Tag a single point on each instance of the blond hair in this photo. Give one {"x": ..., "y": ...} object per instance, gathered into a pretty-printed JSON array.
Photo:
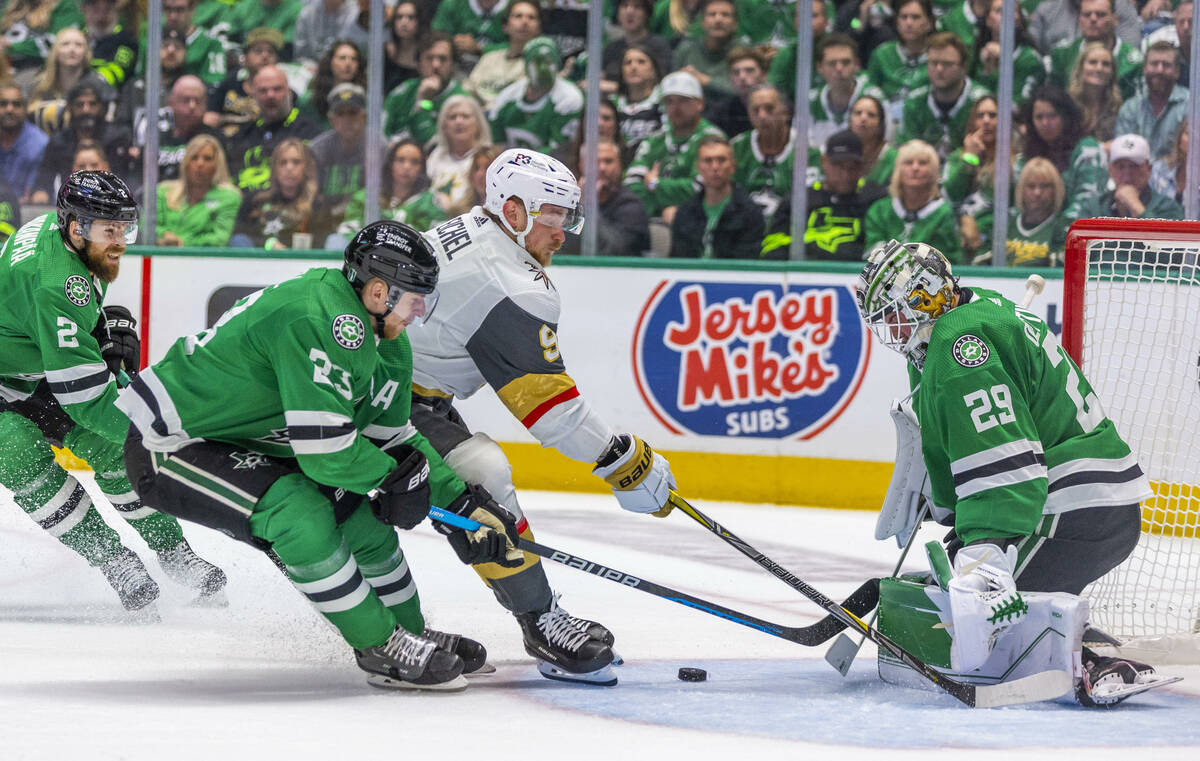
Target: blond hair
[
  {"x": 175, "y": 191},
  {"x": 1041, "y": 168},
  {"x": 49, "y": 82},
  {"x": 913, "y": 149},
  {"x": 1110, "y": 99}
]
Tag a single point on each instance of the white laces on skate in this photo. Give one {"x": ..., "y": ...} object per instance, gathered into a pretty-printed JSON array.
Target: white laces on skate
[
  {"x": 559, "y": 629},
  {"x": 444, "y": 640},
  {"x": 409, "y": 648}
]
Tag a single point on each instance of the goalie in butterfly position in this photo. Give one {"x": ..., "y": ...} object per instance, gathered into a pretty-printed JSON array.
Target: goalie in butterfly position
[
  {"x": 61, "y": 354},
  {"x": 272, "y": 425},
  {"x": 1042, "y": 491}
]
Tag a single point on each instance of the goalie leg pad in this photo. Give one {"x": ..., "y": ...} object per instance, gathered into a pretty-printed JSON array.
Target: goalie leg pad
[{"x": 898, "y": 516}]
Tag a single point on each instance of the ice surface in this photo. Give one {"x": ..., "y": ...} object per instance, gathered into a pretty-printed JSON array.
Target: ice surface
[{"x": 266, "y": 678}]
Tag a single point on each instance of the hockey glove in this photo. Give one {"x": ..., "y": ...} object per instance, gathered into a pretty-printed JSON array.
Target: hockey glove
[
  {"x": 984, "y": 602},
  {"x": 402, "y": 500},
  {"x": 493, "y": 542},
  {"x": 116, "y": 332},
  {"x": 640, "y": 478}
]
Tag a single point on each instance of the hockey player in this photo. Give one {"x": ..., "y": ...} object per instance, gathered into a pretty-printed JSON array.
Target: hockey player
[
  {"x": 59, "y": 353},
  {"x": 320, "y": 419},
  {"x": 1041, "y": 489},
  {"x": 496, "y": 326}
]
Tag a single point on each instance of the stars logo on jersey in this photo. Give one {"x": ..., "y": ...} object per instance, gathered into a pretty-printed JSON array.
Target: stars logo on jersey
[
  {"x": 78, "y": 290},
  {"x": 248, "y": 460},
  {"x": 349, "y": 331},
  {"x": 273, "y": 227},
  {"x": 276, "y": 436},
  {"x": 970, "y": 351}
]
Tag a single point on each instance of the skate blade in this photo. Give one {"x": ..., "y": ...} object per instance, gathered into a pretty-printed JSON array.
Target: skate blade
[
  {"x": 602, "y": 677},
  {"x": 486, "y": 669},
  {"x": 1111, "y": 693},
  {"x": 617, "y": 659},
  {"x": 457, "y": 684}
]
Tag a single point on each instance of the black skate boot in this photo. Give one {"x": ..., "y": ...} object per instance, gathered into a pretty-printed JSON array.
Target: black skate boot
[
  {"x": 126, "y": 574},
  {"x": 188, "y": 569},
  {"x": 564, "y": 650},
  {"x": 1107, "y": 681},
  {"x": 472, "y": 653},
  {"x": 409, "y": 662}
]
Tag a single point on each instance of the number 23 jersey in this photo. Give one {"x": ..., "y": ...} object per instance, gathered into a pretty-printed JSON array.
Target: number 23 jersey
[{"x": 1010, "y": 428}]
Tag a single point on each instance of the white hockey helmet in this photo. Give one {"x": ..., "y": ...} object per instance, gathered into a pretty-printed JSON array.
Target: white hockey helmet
[
  {"x": 536, "y": 179},
  {"x": 902, "y": 291}
]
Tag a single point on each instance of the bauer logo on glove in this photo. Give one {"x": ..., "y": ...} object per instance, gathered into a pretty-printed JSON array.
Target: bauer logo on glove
[{"x": 640, "y": 478}]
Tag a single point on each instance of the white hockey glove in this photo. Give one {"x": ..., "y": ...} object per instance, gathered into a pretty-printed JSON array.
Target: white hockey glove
[
  {"x": 901, "y": 509},
  {"x": 984, "y": 602},
  {"x": 641, "y": 479}
]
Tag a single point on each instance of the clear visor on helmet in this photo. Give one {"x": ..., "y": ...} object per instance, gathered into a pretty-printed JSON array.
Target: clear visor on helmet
[
  {"x": 108, "y": 232},
  {"x": 567, "y": 220},
  {"x": 416, "y": 308}
]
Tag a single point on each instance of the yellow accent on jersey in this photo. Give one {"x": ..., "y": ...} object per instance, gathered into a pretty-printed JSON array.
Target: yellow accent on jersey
[
  {"x": 423, "y": 391},
  {"x": 524, "y": 395}
]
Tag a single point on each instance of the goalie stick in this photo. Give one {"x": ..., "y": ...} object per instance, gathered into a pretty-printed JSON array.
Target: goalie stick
[
  {"x": 1046, "y": 685},
  {"x": 862, "y": 600}
]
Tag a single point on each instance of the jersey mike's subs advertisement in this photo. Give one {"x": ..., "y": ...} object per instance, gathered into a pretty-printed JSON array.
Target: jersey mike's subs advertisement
[{"x": 759, "y": 385}]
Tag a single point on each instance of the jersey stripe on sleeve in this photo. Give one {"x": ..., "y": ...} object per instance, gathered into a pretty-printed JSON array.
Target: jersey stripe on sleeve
[
  {"x": 1007, "y": 464},
  {"x": 78, "y": 384},
  {"x": 318, "y": 431}
]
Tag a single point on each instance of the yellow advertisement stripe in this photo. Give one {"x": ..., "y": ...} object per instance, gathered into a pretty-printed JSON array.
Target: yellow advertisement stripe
[{"x": 523, "y": 395}]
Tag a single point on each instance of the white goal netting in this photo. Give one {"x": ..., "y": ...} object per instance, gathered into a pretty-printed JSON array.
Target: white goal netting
[{"x": 1140, "y": 350}]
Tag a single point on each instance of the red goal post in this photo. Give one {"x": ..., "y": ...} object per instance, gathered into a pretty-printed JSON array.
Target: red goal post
[{"x": 1131, "y": 303}]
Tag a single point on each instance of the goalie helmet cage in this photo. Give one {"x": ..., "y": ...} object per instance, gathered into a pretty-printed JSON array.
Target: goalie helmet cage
[{"x": 1131, "y": 302}]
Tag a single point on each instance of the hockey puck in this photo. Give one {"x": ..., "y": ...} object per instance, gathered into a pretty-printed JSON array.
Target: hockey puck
[{"x": 693, "y": 675}]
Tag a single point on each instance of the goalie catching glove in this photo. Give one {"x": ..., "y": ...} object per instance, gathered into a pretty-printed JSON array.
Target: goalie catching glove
[
  {"x": 495, "y": 541},
  {"x": 402, "y": 500},
  {"x": 984, "y": 602},
  {"x": 116, "y": 332},
  {"x": 640, "y": 478}
]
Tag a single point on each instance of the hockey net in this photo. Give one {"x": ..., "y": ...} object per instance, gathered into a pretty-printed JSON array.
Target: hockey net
[{"x": 1132, "y": 322}]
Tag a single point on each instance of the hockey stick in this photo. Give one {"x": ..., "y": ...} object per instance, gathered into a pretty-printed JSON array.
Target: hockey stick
[
  {"x": 1044, "y": 686},
  {"x": 862, "y": 600},
  {"x": 843, "y": 651}
]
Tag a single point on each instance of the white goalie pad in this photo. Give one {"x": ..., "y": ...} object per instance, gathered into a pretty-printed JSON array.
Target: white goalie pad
[{"x": 899, "y": 514}]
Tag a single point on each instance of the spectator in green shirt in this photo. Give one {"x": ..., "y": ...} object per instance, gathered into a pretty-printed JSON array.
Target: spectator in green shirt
[
  {"x": 1053, "y": 128},
  {"x": 411, "y": 109},
  {"x": 1037, "y": 232},
  {"x": 897, "y": 67},
  {"x": 1098, "y": 23},
  {"x": 705, "y": 57},
  {"x": 200, "y": 208},
  {"x": 969, "y": 173},
  {"x": 868, "y": 120},
  {"x": 1093, "y": 87},
  {"x": 1029, "y": 70},
  {"x": 915, "y": 210},
  {"x": 937, "y": 113}
]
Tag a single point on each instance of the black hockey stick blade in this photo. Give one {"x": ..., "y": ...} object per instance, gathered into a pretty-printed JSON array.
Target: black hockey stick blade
[{"x": 1044, "y": 686}]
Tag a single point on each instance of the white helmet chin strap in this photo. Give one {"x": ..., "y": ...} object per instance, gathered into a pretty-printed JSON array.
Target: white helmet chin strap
[{"x": 528, "y": 225}]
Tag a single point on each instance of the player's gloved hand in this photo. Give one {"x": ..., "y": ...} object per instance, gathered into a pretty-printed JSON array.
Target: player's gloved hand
[
  {"x": 984, "y": 602},
  {"x": 402, "y": 500},
  {"x": 493, "y": 542},
  {"x": 116, "y": 332},
  {"x": 640, "y": 478}
]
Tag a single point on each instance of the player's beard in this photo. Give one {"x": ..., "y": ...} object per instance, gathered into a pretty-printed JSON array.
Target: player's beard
[{"x": 98, "y": 263}]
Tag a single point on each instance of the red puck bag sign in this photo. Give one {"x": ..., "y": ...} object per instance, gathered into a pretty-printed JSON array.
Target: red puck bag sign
[{"x": 749, "y": 359}]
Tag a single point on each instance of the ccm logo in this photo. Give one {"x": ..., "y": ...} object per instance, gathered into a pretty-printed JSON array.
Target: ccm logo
[{"x": 639, "y": 471}]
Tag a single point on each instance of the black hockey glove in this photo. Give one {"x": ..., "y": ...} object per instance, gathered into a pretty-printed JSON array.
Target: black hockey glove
[
  {"x": 493, "y": 542},
  {"x": 402, "y": 500},
  {"x": 116, "y": 332}
]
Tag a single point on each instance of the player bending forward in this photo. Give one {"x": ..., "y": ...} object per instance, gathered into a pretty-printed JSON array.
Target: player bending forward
[
  {"x": 1042, "y": 491},
  {"x": 496, "y": 325},
  {"x": 272, "y": 426},
  {"x": 59, "y": 353}
]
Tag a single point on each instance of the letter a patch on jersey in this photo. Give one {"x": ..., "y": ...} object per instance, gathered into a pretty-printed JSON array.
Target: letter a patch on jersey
[
  {"x": 349, "y": 331},
  {"x": 970, "y": 351},
  {"x": 78, "y": 290}
]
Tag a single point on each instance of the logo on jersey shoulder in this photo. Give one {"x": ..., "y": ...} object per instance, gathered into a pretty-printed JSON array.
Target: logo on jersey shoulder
[
  {"x": 78, "y": 290},
  {"x": 970, "y": 351},
  {"x": 480, "y": 221},
  {"x": 248, "y": 460},
  {"x": 539, "y": 275},
  {"x": 349, "y": 331}
]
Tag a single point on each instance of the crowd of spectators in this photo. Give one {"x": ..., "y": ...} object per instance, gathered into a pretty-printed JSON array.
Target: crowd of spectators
[{"x": 263, "y": 130}]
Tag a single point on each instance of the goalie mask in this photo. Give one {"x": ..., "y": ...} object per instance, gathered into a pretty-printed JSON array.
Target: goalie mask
[
  {"x": 537, "y": 180},
  {"x": 901, "y": 292}
]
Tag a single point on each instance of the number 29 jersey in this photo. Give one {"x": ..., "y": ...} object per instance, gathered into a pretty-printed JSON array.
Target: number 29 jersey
[{"x": 1010, "y": 428}]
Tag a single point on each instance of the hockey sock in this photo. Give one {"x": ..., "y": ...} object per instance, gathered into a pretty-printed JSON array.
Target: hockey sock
[
  {"x": 50, "y": 495},
  {"x": 383, "y": 566}
]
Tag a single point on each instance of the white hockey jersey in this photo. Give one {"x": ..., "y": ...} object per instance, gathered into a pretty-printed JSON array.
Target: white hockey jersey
[{"x": 496, "y": 323}]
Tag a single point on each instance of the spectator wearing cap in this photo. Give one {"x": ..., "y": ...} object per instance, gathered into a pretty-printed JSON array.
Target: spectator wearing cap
[
  {"x": 22, "y": 145},
  {"x": 839, "y": 66},
  {"x": 719, "y": 221},
  {"x": 411, "y": 109},
  {"x": 205, "y": 53},
  {"x": 114, "y": 49},
  {"x": 280, "y": 15},
  {"x": 341, "y": 151},
  {"x": 230, "y": 104},
  {"x": 1156, "y": 111},
  {"x": 1131, "y": 196},
  {"x": 663, "y": 170},
  {"x": 705, "y": 57},
  {"x": 1098, "y": 23},
  {"x": 937, "y": 113},
  {"x": 86, "y": 103},
  {"x": 539, "y": 111},
  {"x": 278, "y": 120},
  {"x": 131, "y": 105},
  {"x": 765, "y": 155},
  {"x": 341, "y": 63},
  {"x": 837, "y": 205},
  {"x": 623, "y": 228},
  {"x": 499, "y": 68},
  {"x": 747, "y": 70},
  {"x": 474, "y": 24},
  {"x": 318, "y": 25}
]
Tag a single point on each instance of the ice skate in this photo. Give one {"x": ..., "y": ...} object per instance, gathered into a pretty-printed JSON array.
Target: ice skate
[
  {"x": 188, "y": 569},
  {"x": 409, "y": 662},
  {"x": 598, "y": 632},
  {"x": 128, "y": 576},
  {"x": 564, "y": 650},
  {"x": 1107, "y": 681},
  {"x": 472, "y": 653}
]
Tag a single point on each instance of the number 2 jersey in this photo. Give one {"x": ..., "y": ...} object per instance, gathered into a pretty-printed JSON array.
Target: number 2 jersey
[
  {"x": 496, "y": 323},
  {"x": 1010, "y": 428},
  {"x": 291, "y": 371}
]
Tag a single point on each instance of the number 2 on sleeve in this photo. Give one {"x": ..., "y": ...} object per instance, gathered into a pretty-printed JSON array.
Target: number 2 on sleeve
[{"x": 990, "y": 407}]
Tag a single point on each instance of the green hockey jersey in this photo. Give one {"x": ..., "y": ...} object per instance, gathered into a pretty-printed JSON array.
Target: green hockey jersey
[
  {"x": 293, "y": 370},
  {"x": 676, "y": 159},
  {"x": 768, "y": 181},
  {"x": 465, "y": 17},
  {"x": 944, "y": 130},
  {"x": 51, "y": 305},
  {"x": 420, "y": 211},
  {"x": 1128, "y": 59},
  {"x": 1010, "y": 428},
  {"x": 405, "y": 116},
  {"x": 895, "y": 72},
  {"x": 541, "y": 125}
]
